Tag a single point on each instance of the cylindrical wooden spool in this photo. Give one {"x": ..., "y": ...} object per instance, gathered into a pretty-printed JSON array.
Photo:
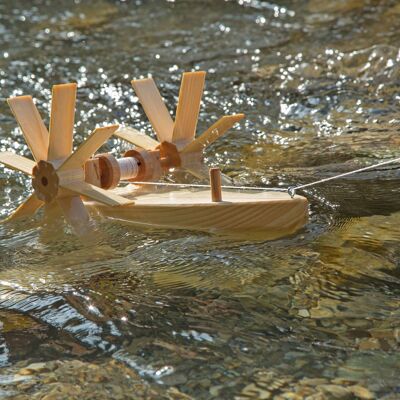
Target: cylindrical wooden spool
[
  {"x": 110, "y": 174},
  {"x": 215, "y": 183},
  {"x": 148, "y": 163}
]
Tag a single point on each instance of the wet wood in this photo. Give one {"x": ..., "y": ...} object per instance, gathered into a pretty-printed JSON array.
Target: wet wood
[
  {"x": 75, "y": 213},
  {"x": 26, "y": 209}
]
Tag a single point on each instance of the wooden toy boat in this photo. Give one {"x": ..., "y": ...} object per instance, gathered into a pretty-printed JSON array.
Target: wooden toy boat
[{"x": 77, "y": 180}]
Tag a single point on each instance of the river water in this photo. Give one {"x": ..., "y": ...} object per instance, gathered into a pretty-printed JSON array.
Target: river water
[{"x": 319, "y": 84}]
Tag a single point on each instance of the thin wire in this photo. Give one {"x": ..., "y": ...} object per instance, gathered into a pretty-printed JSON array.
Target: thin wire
[
  {"x": 208, "y": 186},
  {"x": 292, "y": 190}
]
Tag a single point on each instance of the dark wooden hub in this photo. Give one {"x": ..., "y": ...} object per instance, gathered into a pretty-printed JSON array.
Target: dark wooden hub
[{"x": 45, "y": 181}]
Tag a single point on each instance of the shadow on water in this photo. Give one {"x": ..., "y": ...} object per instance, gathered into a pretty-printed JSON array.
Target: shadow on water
[{"x": 201, "y": 311}]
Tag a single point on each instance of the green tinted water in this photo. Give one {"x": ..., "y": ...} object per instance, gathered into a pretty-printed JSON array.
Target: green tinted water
[{"x": 319, "y": 84}]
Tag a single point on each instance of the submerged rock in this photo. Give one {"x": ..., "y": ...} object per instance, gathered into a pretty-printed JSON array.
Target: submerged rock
[
  {"x": 335, "y": 391},
  {"x": 35, "y": 368},
  {"x": 361, "y": 392},
  {"x": 272, "y": 385},
  {"x": 92, "y": 16},
  {"x": 75, "y": 379}
]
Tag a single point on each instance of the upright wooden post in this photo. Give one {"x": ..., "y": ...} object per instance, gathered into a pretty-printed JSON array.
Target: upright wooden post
[{"x": 215, "y": 183}]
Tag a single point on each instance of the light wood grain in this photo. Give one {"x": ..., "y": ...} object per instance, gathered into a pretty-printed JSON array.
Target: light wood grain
[
  {"x": 154, "y": 107},
  {"x": 187, "y": 112},
  {"x": 106, "y": 197},
  {"x": 16, "y": 162},
  {"x": 271, "y": 214},
  {"x": 61, "y": 121},
  {"x": 96, "y": 139},
  {"x": 136, "y": 138},
  {"x": 26, "y": 209},
  {"x": 92, "y": 172},
  {"x": 31, "y": 124},
  {"x": 212, "y": 133}
]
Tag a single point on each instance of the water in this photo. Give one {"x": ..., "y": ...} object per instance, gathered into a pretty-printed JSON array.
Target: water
[{"x": 319, "y": 84}]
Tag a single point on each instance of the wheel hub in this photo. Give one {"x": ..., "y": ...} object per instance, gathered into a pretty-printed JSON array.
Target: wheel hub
[{"x": 45, "y": 181}]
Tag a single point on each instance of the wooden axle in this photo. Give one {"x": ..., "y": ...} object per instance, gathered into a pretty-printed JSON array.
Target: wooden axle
[{"x": 106, "y": 171}]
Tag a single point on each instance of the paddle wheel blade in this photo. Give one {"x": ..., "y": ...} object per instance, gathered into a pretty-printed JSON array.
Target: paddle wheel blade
[
  {"x": 154, "y": 107},
  {"x": 212, "y": 133},
  {"x": 95, "y": 140},
  {"x": 95, "y": 193},
  {"x": 61, "y": 121},
  {"x": 136, "y": 138},
  {"x": 16, "y": 162},
  {"x": 26, "y": 209},
  {"x": 31, "y": 124},
  {"x": 75, "y": 213},
  {"x": 187, "y": 112}
]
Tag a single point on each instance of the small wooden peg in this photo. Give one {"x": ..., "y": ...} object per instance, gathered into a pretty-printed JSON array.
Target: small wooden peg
[{"x": 215, "y": 182}]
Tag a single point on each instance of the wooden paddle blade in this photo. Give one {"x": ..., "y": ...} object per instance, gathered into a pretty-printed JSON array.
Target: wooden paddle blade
[
  {"x": 95, "y": 140},
  {"x": 154, "y": 107},
  {"x": 61, "y": 121},
  {"x": 136, "y": 138},
  {"x": 95, "y": 193},
  {"x": 31, "y": 124},
  {"x": 75, "y": 213},
  {"x": 19, "y": 163},
  {"x": 187, "y": 112},
  {"x": 26, "y": 209},
  {"x": 212, "y": 133}
]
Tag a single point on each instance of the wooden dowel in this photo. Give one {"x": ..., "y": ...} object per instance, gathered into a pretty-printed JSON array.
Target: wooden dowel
[{"x": 215, "y": 183}]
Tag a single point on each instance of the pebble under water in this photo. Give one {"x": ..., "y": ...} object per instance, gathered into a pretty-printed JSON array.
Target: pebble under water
[{"x": 192, "y": 315}]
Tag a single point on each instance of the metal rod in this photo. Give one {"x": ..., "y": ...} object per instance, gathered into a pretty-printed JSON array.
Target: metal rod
[
  {"x": 208, "y": 186},
  {"x": 290, "y": 190}
]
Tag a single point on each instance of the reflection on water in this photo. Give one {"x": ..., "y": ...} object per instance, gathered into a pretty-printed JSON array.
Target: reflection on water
[{"x": 319, "y": 85}]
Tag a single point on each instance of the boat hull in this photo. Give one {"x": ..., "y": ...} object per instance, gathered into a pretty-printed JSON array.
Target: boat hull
[{"x": 269, "y": 214}]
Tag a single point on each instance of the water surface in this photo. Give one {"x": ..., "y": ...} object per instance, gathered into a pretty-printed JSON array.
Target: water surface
[{"x": 319, "y": 84}]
